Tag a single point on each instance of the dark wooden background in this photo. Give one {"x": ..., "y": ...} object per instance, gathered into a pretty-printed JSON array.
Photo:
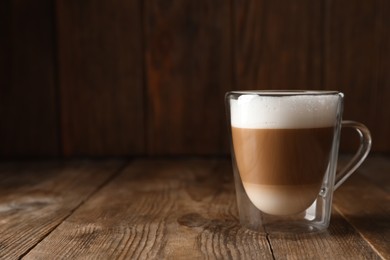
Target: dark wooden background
[{"x": 133, "y": 77}]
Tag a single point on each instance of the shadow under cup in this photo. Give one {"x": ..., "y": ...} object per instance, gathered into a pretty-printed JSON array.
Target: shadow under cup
[{"x": 284, "y": 151}]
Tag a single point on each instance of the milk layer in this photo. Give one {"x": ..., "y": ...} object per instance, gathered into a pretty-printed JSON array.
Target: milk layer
[{"x": 281, "y": 199}]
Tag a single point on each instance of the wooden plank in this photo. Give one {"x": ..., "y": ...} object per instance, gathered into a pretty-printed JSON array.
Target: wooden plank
[
  {"x": 181, "y": 209},
  {"x": 340, "y": 241},
  {"x": 380, "y": 113},
  {"x": 189, "y": 69},
  {"x": 37, "y": 197},
  {"x": 28, "y": 112},
  {"x": 367, "y": 208},
  {"x": 101, "y": 77},
  {"x": 356, "y": 62},
  {"x": 278, "y": 45},
  {"x": 158, "y": 210}
]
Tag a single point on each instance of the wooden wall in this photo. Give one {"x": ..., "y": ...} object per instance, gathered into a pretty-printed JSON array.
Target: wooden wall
[{"x": 133, "y": 77}]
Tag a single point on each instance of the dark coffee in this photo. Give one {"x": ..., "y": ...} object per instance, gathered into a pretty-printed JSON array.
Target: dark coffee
[{"x": 282, "y": 169}]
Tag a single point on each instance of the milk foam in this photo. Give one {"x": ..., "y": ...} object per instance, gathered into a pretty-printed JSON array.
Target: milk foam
[{"x": 305, "y": 111}]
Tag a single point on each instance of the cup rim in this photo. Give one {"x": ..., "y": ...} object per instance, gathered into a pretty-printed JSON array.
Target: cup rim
[{"x": 279, "y": 93}]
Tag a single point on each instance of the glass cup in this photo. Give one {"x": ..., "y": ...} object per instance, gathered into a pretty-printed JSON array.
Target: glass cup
[{"x": 284, "y": 147}]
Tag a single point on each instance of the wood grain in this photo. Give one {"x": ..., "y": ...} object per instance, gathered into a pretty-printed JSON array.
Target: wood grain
[
  {"x": 101, "y": 77},
  {"x": 159, "y": 210},
  {"x": 340, "y": 241},
  {"x": 180, "y": 209},
  {"x": 278, "y": 45},
  {"x": 356, "y": 62},
  {"x": 381, "y": 115},
  {"x": 121, "y": 78},
  {"x": 189, "y": 69},
  {"x": 36, "y": 197},
  {"x": 28, "y": 107},
  {"x": 367, "y": 208}
]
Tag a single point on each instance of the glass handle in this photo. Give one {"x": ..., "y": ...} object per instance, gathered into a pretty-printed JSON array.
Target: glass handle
[{"x": 361, "y": 154}]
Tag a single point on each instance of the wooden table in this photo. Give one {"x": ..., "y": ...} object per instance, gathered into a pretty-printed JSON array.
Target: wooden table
[{"x": 172, "y": 209}]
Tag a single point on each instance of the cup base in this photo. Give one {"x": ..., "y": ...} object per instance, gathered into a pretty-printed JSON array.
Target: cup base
[{"x": 287, "y": 228}]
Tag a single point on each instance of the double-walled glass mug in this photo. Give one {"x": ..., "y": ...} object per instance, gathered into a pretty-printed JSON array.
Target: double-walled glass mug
[{"x": 284, "y": 147}]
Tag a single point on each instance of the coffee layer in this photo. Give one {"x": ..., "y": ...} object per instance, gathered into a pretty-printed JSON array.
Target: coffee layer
[
  {"x": 286, "y": 160},
  {"x": 282, "y": 156}
]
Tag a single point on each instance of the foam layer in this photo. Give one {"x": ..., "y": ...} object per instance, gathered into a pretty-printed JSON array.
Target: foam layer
[{"x": 308, "y": 111}]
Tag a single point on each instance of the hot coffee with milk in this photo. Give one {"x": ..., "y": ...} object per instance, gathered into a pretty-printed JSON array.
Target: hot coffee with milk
[{"x": 282, "y": 145}]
